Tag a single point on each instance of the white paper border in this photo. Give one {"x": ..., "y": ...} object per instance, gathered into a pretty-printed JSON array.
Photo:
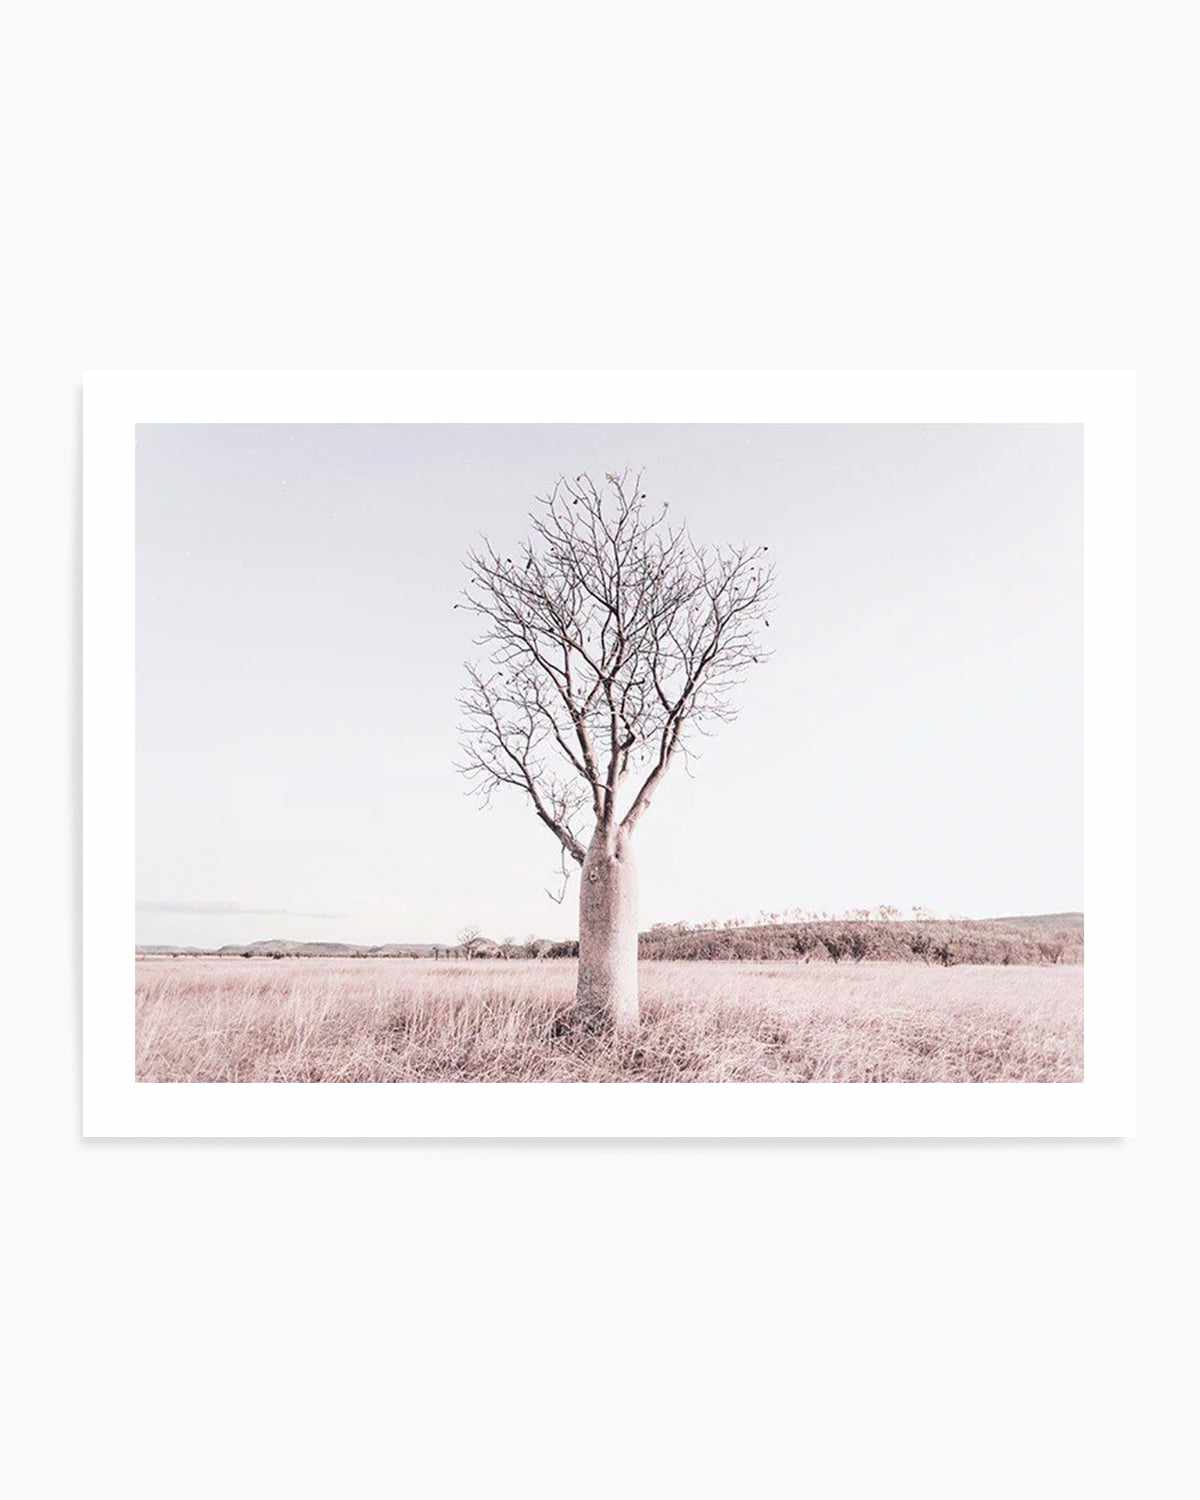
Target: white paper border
[{"x": 116, "y": 1105}]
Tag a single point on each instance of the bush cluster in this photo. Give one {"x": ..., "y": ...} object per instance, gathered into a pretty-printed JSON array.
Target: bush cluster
[{"x": 931, "y": 942}]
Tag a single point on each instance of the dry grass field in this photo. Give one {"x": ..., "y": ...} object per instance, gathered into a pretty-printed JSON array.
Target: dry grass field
[{"x": 234, "y": 1020}]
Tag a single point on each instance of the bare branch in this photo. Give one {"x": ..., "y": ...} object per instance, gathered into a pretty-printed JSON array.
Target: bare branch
[
  {"x": 565, "y": 875},
  {"x": 611, "y": 639}
]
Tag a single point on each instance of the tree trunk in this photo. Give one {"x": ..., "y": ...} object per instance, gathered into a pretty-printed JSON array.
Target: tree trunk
[{"x": 607, "y": 992}]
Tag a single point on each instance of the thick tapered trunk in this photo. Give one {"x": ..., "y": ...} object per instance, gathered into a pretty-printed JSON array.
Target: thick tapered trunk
[{"x": 607, "y": 991}]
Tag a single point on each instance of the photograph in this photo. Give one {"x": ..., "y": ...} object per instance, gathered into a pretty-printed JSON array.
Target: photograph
[{"x": 593, "y": 753}]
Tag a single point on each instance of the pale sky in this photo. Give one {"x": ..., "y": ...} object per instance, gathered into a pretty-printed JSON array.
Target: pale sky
[{"x": 917, "y": 738}]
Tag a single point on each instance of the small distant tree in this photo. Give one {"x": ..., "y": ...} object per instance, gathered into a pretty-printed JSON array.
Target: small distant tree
[
  {"x": 613, "y": 640},
  {"x": 470, "y": 940}
]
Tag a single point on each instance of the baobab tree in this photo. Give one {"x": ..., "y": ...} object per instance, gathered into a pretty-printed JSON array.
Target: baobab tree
[{"x": 613, "y": 640}]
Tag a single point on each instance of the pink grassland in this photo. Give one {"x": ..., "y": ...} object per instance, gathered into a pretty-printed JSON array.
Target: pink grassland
[{"x": 327, "y": 1020}]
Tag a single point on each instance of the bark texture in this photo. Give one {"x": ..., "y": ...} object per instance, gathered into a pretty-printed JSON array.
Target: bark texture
[{"x": 607, "y": 988}]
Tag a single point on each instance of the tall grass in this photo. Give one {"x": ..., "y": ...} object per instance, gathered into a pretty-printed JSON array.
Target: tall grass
[{"x": 357, "y": 1021}]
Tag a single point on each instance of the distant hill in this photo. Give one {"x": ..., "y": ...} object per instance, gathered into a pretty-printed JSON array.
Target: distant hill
[
  {"x": 285, "y": 948},
  {"x": 1053, "y": 937},
  {"x": 1071, "y": 920}
]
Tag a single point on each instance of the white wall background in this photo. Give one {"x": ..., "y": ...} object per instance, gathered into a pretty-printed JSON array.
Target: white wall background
[{"x": 538, "y": 185}]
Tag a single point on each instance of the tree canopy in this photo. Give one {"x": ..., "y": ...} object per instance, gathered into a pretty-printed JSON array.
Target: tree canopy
[{"x": 613, "y": 639}]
